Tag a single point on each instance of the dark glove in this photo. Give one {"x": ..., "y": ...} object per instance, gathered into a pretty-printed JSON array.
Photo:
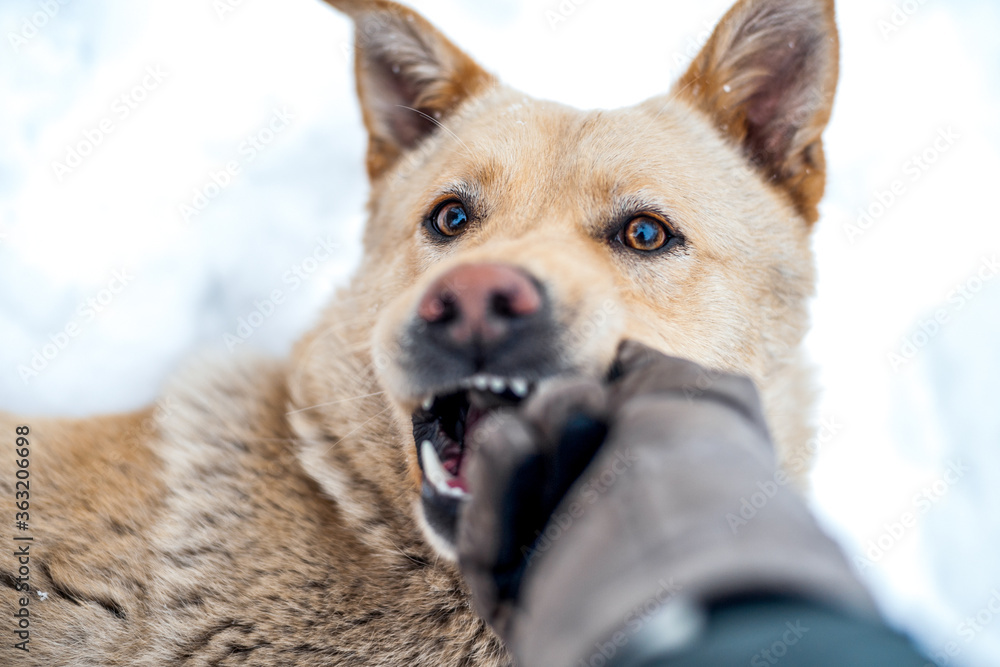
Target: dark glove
[{"x": 595, "y": 504}]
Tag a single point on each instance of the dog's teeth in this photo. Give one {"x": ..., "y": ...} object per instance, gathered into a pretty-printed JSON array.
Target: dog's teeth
[
  {"x": 498, "y": 385},
  {"x": 519, "y": 386},
  {"x": 435, "y": 472},
  {"x": 481, "y": 382},
  {"x": 433, "y": 468},
  {"x": 428, "y": 403}
]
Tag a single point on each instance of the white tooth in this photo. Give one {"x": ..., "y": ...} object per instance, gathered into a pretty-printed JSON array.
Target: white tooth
[
  {"x": 433, "y": 468},
  {"x": 519, "y": 386},
  {"x": 498, "y": 385},
  {"x": 428, "y": 403},
  {"x": 435, "y": 472},
  {"x": 481, "y": 382}
]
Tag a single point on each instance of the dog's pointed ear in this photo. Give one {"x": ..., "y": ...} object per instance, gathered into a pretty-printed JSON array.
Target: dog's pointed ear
[
  {"x": 767, "y": 78},
  {"x": 409, "y": 77}
]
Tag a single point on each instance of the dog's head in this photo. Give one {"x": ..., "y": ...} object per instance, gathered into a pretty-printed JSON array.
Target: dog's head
[{"x": 512, "y": 239}]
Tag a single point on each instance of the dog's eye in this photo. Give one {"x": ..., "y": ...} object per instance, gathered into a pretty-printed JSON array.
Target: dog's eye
[
  {"x": 449, "y": 219},
  {"x": 645, "y": 234}
]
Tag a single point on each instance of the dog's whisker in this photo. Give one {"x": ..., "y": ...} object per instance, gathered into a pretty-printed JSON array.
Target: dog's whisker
[
  {"x": 357, "y": 428},
  {"x": 359, "y": 346},
  {"x": 439, "y": 124},
  {"x": 401, "y": 552},
  {"x": 343, "y": 400},
  {"x": 673, "y": 96}
]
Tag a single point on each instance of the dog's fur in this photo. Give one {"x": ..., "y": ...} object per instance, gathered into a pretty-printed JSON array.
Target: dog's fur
[{"x": 267, "y": 513}]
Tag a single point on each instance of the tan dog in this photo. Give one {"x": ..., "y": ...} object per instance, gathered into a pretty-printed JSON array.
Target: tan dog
[{"x": 302, "y": 513}]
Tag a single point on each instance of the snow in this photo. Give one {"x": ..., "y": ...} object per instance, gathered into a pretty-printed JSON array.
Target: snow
[{"x": 919, "y": 83}]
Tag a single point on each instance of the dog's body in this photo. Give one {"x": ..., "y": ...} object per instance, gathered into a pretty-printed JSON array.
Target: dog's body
[{"x": 276, "y": 514}]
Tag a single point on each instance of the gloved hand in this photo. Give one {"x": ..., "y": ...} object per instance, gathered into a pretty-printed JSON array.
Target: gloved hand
[{"x": 595, "y": 503}]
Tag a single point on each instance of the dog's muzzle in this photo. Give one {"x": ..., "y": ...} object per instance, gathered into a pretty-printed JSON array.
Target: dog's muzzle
[{"x": 482, "y": 338}]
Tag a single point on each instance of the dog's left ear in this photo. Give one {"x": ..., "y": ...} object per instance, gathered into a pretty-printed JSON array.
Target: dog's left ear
[
  {"x": 767, "y": 78},
  {"x": 409, "y": 77}
]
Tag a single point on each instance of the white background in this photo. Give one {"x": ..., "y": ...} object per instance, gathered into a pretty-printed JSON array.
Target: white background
[{"x": 894, "y": 427}]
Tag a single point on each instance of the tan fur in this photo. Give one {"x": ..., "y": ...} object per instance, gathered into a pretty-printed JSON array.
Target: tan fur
[
  {"x": 726, "y": 79},
  {"x": 266, "y": 513}
]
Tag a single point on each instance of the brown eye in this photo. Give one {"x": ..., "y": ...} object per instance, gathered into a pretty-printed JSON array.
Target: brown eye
[
  {"x": 645, "y": 234},
  {"x": 449, "y": 219}
]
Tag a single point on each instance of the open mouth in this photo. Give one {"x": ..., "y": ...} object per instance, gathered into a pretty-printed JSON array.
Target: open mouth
[{"x": 441, "y": 431}]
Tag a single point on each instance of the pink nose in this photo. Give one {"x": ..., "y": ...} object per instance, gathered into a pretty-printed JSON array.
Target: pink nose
[{"x": 479, "y": 302}]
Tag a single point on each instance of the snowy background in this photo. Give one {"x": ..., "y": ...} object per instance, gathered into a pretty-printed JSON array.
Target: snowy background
[{"x": 125, "y": 246}]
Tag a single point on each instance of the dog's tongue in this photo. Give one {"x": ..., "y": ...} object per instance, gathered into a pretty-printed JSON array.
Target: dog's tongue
[
  {"x": 477, "y": 426},
  {"x": 456, "y": 458},
  {"x": 459, "y": 482},
  {"x": 473, "y": 419}
]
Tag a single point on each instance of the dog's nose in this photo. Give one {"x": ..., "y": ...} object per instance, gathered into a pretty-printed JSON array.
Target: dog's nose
[{"x": 476, "y": 304}]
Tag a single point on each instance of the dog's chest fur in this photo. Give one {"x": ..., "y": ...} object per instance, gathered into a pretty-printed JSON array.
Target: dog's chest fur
[{"x": 233, "y": 556}]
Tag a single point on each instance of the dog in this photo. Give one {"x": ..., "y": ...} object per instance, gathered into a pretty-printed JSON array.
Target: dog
[{"x": 303, "y": 511}]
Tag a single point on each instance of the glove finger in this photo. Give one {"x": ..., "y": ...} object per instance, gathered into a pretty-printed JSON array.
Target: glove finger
[
  {"x": 558, "y": 400},
  {"x": 520, "y": 467},
  {"x": 570, "y": 415},
  {"x": 641, "y": 370},
  {"x": 502, "y": 445},
  {"x": 503, "y": 470}
]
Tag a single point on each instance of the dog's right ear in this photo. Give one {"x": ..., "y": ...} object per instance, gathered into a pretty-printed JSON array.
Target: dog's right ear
[
  {"x": 767, "y": 77},
  {"x": 409, "y": 77}
]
